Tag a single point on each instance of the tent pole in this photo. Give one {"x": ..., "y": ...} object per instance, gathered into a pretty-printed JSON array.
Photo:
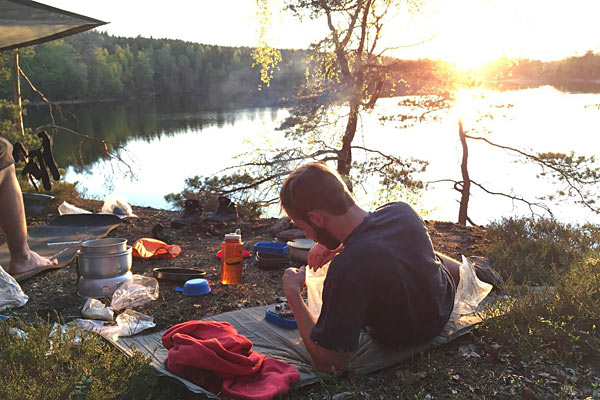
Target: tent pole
[{"x": 17, "y": 93}]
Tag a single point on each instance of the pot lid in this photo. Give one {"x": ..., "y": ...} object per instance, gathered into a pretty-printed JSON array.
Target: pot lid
[{"x": 304, "y": 244}]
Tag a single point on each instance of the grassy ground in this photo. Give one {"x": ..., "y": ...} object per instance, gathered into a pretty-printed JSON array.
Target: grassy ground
[{"x": 547, "y": 346}]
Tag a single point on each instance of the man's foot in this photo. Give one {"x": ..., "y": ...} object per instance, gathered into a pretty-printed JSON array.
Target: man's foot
[{"x": 29, "y": 264}]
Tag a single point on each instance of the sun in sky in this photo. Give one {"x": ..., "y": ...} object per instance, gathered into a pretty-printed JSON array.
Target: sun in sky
[{"x": 468, "y": 33}]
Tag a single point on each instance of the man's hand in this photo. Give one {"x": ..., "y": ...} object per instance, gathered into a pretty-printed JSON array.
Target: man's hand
[
  {"x": 293, "y": 280},
  {"x": 320, "y": 255}
]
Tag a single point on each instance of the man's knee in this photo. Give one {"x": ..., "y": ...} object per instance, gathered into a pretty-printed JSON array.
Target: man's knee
[{"x": 6, "y": 158}]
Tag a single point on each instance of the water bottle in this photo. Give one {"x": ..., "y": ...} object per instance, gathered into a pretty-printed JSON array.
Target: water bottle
[{"x": 231, "y": 259}]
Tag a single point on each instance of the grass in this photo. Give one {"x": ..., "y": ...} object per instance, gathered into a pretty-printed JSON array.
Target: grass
[{"x": 546, "y": 346}]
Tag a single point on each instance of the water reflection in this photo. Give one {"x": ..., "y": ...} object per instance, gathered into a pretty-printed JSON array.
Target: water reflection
[
  {"x": 169, "y": 141},
  {"x": 118, "y": 123}
]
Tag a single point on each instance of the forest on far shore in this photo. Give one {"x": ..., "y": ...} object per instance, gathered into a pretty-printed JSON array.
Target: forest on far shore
[{"x": 97, "y": 66}]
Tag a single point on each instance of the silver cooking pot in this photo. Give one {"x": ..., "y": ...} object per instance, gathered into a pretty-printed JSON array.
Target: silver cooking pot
[
  {"x": 102, "y": 287},
  {"x": 99, "y": 266},
  {"x": 103, "y": 246}
]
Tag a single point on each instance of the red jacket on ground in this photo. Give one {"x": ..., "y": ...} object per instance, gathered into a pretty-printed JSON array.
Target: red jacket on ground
[{"x": 215, "y": 356}]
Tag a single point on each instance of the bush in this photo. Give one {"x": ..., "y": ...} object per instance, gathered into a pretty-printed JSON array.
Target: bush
[
  {"x": 529, "y": 250},
  {"x": 562, "y": 322},
  {"x": 207, "y": 191},
  {"x": 33, "y": 367}
]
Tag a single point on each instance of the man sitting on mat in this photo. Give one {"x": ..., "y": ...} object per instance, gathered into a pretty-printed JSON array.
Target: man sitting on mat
[
  {"x": 12, "y": 218},
  {"x": 384, "y": 278}
]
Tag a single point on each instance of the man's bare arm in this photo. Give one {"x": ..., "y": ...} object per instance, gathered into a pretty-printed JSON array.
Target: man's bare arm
[{"x": 325, "y": 360}]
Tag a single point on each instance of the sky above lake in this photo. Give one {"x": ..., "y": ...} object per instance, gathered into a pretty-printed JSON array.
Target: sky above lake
[{"x": 467, "y": 32}]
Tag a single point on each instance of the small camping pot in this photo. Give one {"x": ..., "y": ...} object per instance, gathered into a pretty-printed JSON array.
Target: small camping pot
[
  {"x": 99, "y": 266},
  {"x": 299, "y": 249},
  {"x": 97, "y": 288},
  {"x": 103, "y": 246}
]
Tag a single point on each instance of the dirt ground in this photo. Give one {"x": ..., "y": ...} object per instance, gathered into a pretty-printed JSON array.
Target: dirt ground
[{"x": 53, "y": 295}]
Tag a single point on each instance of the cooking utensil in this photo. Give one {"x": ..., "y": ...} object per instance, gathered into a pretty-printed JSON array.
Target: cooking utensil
[
  {"x": 299, "y": 249},
  {"x": 194, "y": 287},
  {"x": 105, "y": 287},
  {"x": 104, "y": 246},
  {"x": 98, "y": 266},
  {"x": 178, "y": 274}
]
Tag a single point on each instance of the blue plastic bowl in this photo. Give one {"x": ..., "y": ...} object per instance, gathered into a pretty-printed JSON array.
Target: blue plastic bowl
[
  {"x": 194, "y": 287},
  {"x": 285, "y": 323},
  {"x": 278, "y": 248}
]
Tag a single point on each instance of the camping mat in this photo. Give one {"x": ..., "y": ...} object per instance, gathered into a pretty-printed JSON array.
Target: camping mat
[
  {"x": 64, "y": 228},
  {"x": 286, "y": 345}
]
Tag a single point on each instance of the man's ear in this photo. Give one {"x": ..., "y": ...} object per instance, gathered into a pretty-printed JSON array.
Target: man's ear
[{"x": 316, "y": 217}]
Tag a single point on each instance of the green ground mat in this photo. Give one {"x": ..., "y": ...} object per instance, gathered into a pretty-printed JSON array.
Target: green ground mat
[
  {"x": 286, "y": 345},
  {"x": 64, "y": 228}
]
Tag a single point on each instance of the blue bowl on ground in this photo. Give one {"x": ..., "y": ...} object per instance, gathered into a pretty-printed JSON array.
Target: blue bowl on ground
[
  {"x": 277, "y": 248},
  {"x": 194, "y": 287},
  {"x": 285, "y": 323}
]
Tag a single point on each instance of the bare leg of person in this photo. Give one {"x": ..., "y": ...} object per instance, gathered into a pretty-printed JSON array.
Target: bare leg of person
[
  {"x": 452, "y": 265},
  {"x": 12, "y": 223}
]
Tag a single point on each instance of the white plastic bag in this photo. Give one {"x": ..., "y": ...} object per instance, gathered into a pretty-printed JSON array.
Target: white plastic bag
[
  {"x": 95, "y": 309},
  {"x": 140, "y": 290},
  {"x": 11, "y": 294},
  {"x": 118, "y": 206},
  {"x": 314, "y": 288},
  {"x": 66, "y": 208},
  {"x": 128, "y": 323},
  {"x": 470, "y": 291}
]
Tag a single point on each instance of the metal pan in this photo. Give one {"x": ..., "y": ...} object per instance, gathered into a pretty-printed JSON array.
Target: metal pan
[
  {"x": 98, "y": 266},
  {"x": 102, "y": 287},
  {"x": 178, "y": 274},
  {"x": 104, "y": 246}
]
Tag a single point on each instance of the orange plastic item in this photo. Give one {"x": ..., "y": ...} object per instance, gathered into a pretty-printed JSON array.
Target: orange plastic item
[
  {"x": 231, "y": 259},
  {"x": 245, "y": 254},
  {"x": 153, "y": 248}
]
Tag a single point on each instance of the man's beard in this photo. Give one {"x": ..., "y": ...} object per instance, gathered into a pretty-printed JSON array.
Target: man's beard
[{"x": 325, "y": 238}]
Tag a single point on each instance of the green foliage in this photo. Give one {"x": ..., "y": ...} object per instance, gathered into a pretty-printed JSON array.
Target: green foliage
[
  {"x": 561, "y": 322},
  {"x": 35, "y": 367},
  {"x": 264, "y": 55},
  {"x": 94, "y": 65},
  {"x": 208, "y": 189},
  {"x": 530, "y": 250}
]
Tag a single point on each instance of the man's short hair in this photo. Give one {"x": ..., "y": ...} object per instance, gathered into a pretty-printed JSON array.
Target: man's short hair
[{"x": 314, "y": 186}]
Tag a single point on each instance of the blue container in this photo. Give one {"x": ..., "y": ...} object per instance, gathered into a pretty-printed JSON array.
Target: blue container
[
  {"x": 4, "y": 317},
  {"x": 194, "y": 287},
  {"x": 285, "y": 323},
  {"x": 278, "y": 248}
]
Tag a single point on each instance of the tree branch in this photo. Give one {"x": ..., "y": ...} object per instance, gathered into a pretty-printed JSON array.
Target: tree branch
[
  {"x": 514, "y": 198},
  {"x": 566, "y": 177}
]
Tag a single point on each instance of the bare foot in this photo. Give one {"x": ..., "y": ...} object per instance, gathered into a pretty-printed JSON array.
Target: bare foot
[{"x": 31, "y": 262}]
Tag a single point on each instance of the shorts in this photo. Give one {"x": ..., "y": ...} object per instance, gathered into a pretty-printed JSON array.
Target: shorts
[{"x": 6, "y": 158}]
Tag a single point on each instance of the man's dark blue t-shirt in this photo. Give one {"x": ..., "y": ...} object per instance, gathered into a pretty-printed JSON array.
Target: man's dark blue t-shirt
[{"x": 387, "y": 279}]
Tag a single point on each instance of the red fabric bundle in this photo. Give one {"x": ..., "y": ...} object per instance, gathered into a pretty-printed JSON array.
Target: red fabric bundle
[
  {"x": 153, "y": 248},
  {"x": 215, "y": 356}
]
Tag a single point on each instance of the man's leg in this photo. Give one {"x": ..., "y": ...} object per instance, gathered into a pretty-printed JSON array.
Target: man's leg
[
  {"x": 483, "y": 270},
  {"x": 452, "y": 265},
  {"x": 12, "y": 223}
]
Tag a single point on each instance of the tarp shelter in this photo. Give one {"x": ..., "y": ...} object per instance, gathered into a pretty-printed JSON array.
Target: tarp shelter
[{"x": 25, "y": 23}]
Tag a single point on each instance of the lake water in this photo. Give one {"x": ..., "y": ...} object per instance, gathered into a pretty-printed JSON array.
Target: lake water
[{"x": 166, "y": 143}]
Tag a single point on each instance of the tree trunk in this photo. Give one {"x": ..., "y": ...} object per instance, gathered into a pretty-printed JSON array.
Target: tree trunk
[
  {"x": 345, "y": 154},
  {"x": 17, "y": 93},
  {"x": 466, "y": 182}
]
